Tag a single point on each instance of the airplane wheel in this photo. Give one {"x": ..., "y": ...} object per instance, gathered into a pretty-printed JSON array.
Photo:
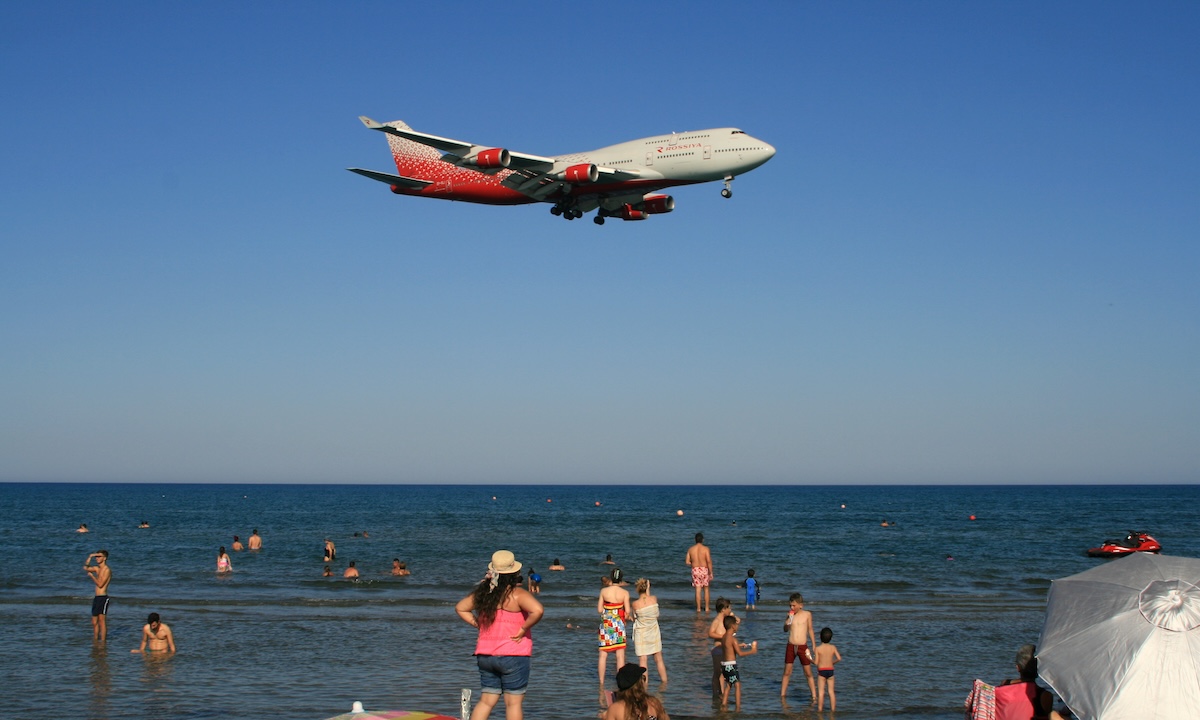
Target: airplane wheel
[
  {"x": 599, "y": 219},
  {"x": 556, "y": 210},
  {"x": 569, "y": 215},
  {"x": 726, "y": 193}
]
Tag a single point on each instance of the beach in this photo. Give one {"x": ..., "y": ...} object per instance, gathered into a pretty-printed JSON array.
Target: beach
[{"x": 275, "y": 639}]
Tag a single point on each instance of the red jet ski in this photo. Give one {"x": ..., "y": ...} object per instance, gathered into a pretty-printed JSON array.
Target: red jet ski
[{"x": 1135, "y": 541}]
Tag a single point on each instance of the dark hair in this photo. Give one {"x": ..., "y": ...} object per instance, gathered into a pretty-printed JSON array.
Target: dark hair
[
  {"x": 826, "y": 635},
  {"x": 699, "y": 537},
  {"x": 796, "y": 597},
  {"x": 723, "y": 603},
  {"x": 750, "y": 572},
  {"x": 488, "y": 601},
  {"x": 616, "y": 575},
  {"x": 152, "y": 619},
  {"x": 1027, "y": 662},
  {"x": 730, "y": 621}
]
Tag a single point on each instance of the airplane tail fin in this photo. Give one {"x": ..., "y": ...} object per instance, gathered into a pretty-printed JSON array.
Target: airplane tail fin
[{"x": 412, "y": 159}]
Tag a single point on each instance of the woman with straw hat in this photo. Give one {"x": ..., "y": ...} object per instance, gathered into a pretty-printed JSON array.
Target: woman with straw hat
[{"x": 504, "y": 612}]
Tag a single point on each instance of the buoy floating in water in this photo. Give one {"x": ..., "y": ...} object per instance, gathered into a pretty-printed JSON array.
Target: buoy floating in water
[{"x": 972, "y": 517}]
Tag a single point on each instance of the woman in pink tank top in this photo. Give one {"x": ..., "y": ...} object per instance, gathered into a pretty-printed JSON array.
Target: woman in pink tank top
[{"x": 504, "y": 612}]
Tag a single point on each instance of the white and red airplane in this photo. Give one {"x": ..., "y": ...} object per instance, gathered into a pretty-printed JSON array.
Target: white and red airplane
[{"x": 619, "y": 181}]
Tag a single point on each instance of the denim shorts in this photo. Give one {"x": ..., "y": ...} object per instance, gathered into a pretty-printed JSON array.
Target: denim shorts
[{"x": 500, "y": 674}]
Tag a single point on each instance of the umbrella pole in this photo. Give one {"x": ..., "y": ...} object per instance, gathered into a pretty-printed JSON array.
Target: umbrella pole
[{"x": 465, "y": 704}]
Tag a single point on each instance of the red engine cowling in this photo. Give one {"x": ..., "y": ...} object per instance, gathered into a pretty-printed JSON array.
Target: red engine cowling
[
  {"x": 493, "y": 158},
  {"x": 583, "y": 173},
  {"x": 658, "y": 204},
  {"x": 628, "y": 213}
]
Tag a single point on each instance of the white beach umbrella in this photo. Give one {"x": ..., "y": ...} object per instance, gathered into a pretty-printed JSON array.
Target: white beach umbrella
[{"x": 1122, "y": 641}]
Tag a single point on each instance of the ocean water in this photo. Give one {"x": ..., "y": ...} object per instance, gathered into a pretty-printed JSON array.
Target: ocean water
[{"x": 277, "y": 640}]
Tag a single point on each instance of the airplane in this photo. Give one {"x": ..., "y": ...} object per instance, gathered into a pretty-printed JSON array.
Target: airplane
[{"x": 618, "y": 181}]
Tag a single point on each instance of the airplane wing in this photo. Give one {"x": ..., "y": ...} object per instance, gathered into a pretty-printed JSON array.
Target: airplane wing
[
  {"x": 399, "y": 180},
  {"x": 459, "y": 152},
  {"x": 540, "y": 185}
]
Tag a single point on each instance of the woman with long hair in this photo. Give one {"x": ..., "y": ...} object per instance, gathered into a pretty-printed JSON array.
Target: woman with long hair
[
  {"x": 632, "y": 702},
  {"x": 223, "y": 563},
  {"x": 504, "y": 612},
  {"x": 646, "y": 638}
]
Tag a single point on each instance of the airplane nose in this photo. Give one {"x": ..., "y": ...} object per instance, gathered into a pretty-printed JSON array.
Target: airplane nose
[{"x": 770, "y": 150}]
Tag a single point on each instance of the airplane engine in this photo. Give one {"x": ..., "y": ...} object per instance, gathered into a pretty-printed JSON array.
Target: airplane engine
[
  {"x": 628, "y": 213},
  {"x": 583, "y": 173},
  {"x": 658, "y": 204},
  {"x": 493, "y": 158}
]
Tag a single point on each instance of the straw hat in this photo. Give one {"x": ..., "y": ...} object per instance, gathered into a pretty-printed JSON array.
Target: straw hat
[{"x": 504, "y": 562}]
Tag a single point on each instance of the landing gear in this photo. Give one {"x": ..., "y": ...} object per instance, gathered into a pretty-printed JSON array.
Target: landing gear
[
  {"x": 727, "y": 193},
  {"x": 599, "y": 219},
  {"x": 566, "y": 211}
]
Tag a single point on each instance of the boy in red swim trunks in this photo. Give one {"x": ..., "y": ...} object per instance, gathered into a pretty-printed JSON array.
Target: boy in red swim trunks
[{"x": 799, "y": 628}]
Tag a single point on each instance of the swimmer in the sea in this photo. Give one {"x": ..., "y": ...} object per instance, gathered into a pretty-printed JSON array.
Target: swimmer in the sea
[
  {"x": 224, "y": 565},
  {"x": 351, "y": 572},
  {"x": 255, "y": 540},
  {"x": 237, "y": 544},
  {"x": 556, "y": 565},
  {"x": 156, "y": 636}
]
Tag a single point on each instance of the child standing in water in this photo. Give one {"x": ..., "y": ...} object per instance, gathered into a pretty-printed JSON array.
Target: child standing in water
[
  {"x": 827, "y": 655},
  {"x": 753, "y": 590},
  {"x": 731, "y": 650},
  {"x": 799, "y": 628}
]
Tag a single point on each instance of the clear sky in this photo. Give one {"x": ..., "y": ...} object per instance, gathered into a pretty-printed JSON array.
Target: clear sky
[{"x": 975, "y": 257}]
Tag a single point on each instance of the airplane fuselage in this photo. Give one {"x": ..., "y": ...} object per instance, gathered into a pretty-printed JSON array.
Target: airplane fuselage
[{"x": 665, "y": 161}]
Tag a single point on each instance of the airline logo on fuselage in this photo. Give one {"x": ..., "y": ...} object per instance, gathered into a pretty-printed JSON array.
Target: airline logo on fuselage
[{"x": 673, "y": 148}]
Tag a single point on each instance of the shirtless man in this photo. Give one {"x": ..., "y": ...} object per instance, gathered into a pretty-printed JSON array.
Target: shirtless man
[
  {"x": 400, "y": 569},
  {"x": 100, "y": 574},
  {"x": 156, "y": 634},
  {"x": 351, "y": 572},
  {"x": 700, "y": 560},
  {"x": 255, "y": 541},
  {"x": 237, "y": 544}
]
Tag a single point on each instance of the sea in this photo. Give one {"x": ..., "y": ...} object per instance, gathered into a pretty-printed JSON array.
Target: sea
[{"x": 944, "y": 594}]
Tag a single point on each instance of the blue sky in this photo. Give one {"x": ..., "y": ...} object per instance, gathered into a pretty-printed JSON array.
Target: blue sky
[{"x": 973, "y": 259}]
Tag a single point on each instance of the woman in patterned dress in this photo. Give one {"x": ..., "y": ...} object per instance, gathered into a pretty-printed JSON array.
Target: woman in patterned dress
[{"x": 613, "y": 607}]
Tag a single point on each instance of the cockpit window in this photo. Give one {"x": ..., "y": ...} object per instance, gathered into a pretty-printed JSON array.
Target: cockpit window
[{"x": 738, "y": 132}]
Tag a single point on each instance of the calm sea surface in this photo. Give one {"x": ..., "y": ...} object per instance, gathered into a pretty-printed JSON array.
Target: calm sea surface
[{"x": 277, "y": 640}]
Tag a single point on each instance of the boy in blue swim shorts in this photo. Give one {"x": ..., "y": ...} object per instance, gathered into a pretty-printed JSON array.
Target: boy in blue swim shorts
[{"x": 827, "y": 654}]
